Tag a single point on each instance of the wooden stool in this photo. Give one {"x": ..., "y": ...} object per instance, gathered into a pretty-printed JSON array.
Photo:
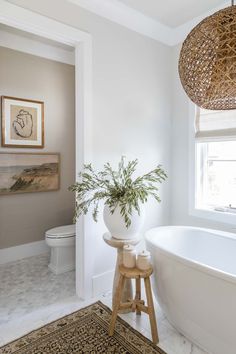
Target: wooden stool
[
  {"x": 119, "y": 245},
  {"x": 137, "y": 304}
]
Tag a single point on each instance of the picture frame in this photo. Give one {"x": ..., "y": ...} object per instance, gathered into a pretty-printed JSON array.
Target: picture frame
[
  {"x": 22, "y": 123},
  {"x": 23, "y": 172}
]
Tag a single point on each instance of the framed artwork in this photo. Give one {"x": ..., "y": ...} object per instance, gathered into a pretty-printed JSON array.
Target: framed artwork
[
  {"x": 22, "y": 123},
  {"x": 28, "y": 173}
]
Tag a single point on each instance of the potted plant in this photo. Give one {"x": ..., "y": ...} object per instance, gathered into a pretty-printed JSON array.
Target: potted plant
[{"x": 123, "y": 195}]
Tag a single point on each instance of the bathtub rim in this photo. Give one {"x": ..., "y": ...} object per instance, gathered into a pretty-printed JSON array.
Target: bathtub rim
[{"x": 187, "y": 261}]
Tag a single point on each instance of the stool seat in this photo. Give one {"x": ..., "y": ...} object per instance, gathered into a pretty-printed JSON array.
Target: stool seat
[
  {"x": 137, "y": 304},
  {"x": 135, "y": 273}
]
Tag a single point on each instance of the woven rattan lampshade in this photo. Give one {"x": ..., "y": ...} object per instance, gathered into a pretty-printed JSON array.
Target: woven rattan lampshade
[{"x": 207, "y": 64}]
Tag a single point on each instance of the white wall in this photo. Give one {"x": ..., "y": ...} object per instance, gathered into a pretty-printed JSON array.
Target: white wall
[
  {"x": 132, "y": 102},
  {"x": 180, "y": 156}
]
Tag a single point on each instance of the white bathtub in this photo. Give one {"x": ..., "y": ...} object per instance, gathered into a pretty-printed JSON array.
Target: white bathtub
[{"x": 195, "y": 283}]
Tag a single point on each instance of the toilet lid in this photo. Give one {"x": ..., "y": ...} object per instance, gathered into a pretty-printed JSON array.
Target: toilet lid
[{"x": 61, "y": 231}]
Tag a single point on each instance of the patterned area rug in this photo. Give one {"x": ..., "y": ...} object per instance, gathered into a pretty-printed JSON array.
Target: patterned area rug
[{"x": 84, "y": 331}]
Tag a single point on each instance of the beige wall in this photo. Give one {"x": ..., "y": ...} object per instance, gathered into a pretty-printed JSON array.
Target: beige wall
[{"x": 25, "y": 217}]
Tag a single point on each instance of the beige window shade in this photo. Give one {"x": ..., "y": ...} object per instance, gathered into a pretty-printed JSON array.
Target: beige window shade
[{"x": 215, "y": 125}]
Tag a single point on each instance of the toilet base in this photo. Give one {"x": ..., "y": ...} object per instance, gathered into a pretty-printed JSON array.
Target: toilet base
[{"x": 62, "y": 259}]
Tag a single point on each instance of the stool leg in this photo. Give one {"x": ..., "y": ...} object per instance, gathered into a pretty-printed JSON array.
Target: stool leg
[
  {"x": 138, "y": 293},
  {"x": 118, "y": 296},
  {"x": 151, "y": 310}
]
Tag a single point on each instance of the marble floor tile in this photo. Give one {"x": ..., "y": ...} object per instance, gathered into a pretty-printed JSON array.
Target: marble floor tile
[
  {"x": 171, "y": 340},
  {"x": 28, "y": 285},
  {"x": 31, "y": 296}
]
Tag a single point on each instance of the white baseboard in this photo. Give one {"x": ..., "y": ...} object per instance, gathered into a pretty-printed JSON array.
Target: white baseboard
[
  {"x": 102, "y": 283},
  {"x": 16, "y": 253}
]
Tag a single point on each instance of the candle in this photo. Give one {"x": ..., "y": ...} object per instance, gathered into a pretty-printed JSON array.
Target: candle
[
  {"x": 129, "y": 256},
  {"x": 143, "y": 260}
]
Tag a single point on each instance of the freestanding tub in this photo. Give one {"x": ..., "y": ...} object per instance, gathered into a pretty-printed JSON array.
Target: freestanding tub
[{"x": 195, "y": 283}]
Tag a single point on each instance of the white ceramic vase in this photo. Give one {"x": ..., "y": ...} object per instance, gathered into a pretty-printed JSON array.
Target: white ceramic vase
[{"x": 116, "y": 224}]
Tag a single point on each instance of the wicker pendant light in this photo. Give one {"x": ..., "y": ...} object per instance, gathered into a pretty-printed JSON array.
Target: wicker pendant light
[{"x": 207, "y": 64}]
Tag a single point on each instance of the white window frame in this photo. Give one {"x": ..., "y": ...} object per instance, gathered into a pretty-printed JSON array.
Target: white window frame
[{"x": 204, "y": 213}]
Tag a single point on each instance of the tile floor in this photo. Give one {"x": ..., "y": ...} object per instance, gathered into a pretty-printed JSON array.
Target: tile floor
[
  {"x": 28, "y": 301},
  {"x": 28, "y": 284}
]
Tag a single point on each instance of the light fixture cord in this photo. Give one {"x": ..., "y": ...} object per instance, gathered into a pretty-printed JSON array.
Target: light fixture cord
[{"x": 232, "y": 2}]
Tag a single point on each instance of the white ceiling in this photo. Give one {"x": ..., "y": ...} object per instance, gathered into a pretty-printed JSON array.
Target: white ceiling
[
  {"x": 172, "y": 13},
  {"x": 167, "y": 21}
]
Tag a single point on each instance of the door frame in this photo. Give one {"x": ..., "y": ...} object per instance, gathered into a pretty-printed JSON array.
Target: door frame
[{"x": 28, "y": 21}]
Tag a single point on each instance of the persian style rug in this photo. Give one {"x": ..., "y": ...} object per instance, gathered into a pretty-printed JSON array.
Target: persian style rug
[{"x": 84, "y": 331}]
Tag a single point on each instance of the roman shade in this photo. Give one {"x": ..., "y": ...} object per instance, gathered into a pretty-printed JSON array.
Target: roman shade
[{"x": 215, "y": 125}]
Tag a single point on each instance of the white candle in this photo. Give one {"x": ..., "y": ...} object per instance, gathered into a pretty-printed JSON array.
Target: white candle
[
  {"x": 129, "y": 256},
  {"x": 143, "y": 260}
]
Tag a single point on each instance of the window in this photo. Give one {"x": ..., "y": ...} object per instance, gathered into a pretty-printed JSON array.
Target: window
[
  {"x": 215, "y": 165},
  {"x": 216, "y": 176}
]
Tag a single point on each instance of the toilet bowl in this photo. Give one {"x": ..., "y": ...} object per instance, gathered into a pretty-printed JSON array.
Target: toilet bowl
[{"x": 61, "y": 240}]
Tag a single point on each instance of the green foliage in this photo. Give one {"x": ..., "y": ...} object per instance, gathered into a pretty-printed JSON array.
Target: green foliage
[{"x": 116, "y": 188}]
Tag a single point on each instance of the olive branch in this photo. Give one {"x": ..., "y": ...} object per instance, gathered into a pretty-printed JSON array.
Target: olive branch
[{"x": 116, "y": 188}]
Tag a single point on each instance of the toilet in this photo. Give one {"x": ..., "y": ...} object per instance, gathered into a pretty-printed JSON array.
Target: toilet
[{"x": 61, "y": 240}]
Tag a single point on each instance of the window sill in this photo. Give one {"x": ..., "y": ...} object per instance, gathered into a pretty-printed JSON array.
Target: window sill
[{"x": 210, "y": 214}]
